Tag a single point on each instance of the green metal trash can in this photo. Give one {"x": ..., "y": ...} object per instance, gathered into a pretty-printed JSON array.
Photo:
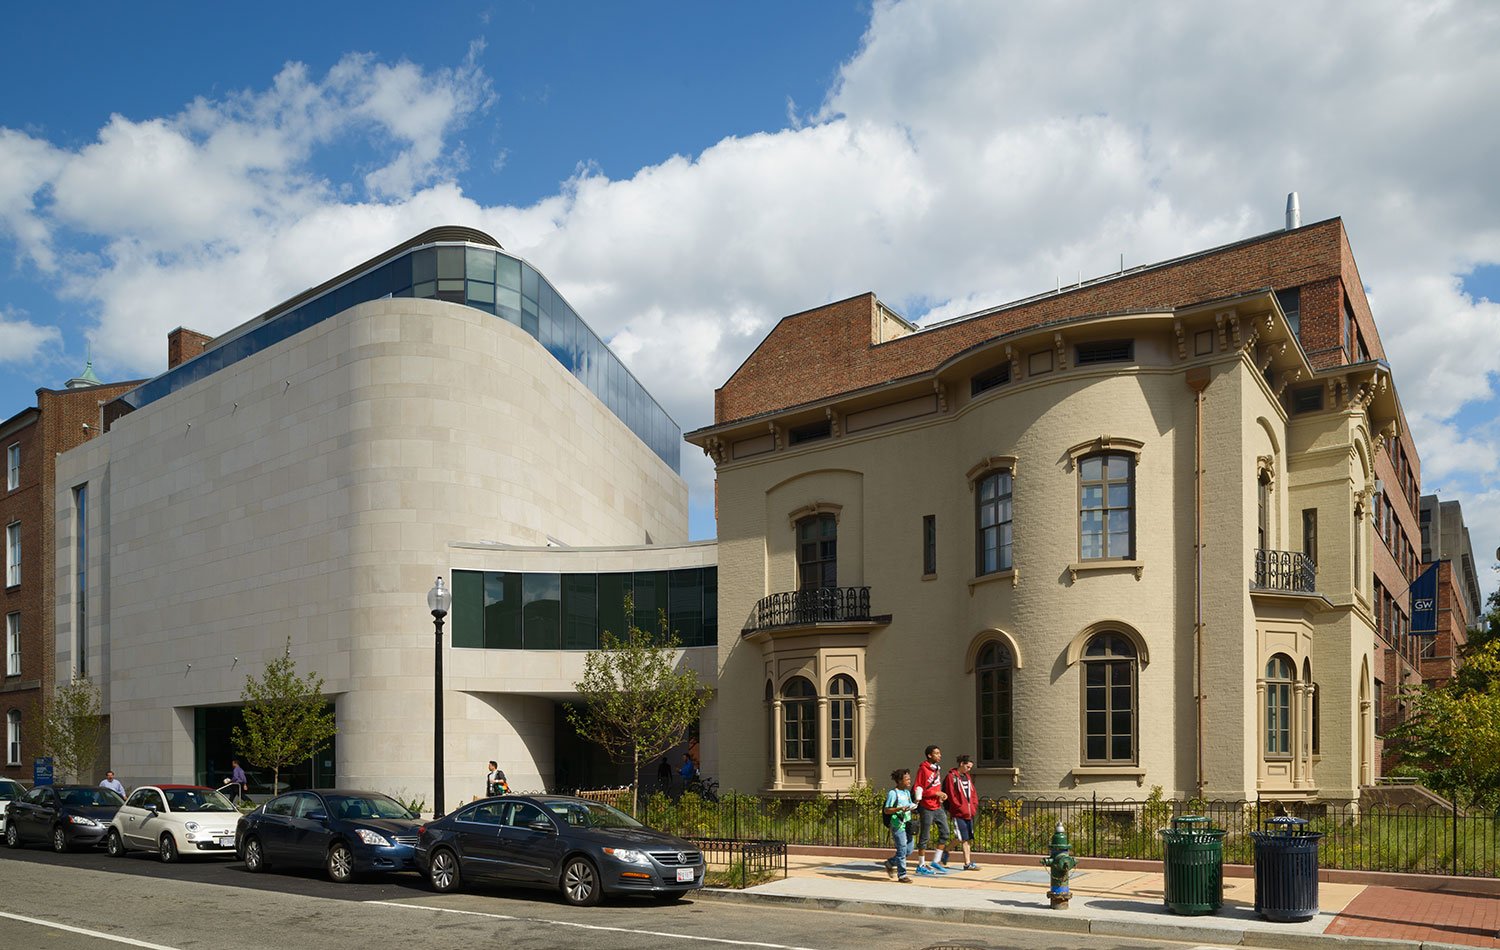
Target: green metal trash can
[
  {"x": 1193, "y": 855},
  {"x": 1286, "y": 870}
]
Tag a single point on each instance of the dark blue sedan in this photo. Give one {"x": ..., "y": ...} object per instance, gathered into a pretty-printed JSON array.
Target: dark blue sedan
[{"x": 346, "y": 832}]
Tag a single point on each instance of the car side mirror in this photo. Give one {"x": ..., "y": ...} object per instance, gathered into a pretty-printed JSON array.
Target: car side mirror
[
  {"x": 317, "y": 816},
  {"x": 151, "y": 807},
  {"x": 541, "y": 824}
]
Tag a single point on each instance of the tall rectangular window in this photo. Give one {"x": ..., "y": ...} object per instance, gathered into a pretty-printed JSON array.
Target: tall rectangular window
[
  {"x": 817, "y": 552},
  {"x": 993, "y": 498},
  {"x": 1106, "y": 506},
  {"x": 13, "y": 644},
  {"x": 13, "y": 467},
  {"x": 81, "y": 565},
  {"x": 13, "y": 554},
  {"x": 929, "y": 544},
  {"x": 1310, "y": 533}
]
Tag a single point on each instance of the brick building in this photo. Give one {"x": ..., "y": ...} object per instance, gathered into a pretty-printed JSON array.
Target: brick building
[
  {"x": 32, "y": 439},
  {"x": 1446, "y": 543},
  {"x": 836, "y": 444}
]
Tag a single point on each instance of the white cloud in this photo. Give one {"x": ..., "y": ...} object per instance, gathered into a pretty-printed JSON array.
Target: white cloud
[
  {"x": 967, "y": 154},
  {"x": 22, "y": 341}
]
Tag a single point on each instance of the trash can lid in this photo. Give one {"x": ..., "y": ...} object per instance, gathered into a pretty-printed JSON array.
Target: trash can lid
[
  {"x": 1189, "y": 821},
  {"x": 1286, "y": 824}
]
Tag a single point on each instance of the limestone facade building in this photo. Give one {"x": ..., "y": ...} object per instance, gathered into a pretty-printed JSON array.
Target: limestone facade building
[
  {"x": 1104, "y": 539},
  {"x": 439, "y": 410}
]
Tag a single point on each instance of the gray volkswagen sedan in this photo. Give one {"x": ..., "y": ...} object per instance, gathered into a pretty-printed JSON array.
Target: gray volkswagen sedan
[{"x": 582, "y": 849}]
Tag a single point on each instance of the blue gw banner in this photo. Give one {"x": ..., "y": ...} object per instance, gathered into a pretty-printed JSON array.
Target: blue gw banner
[
  {"x": 1424, "y": 602},
  {"x": 41, "y": 771}
]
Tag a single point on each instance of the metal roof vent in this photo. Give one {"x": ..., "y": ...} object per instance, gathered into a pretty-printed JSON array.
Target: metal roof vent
[{"x": 1293, "y": 212}]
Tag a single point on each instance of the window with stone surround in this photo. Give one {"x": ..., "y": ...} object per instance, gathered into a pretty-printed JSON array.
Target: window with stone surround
[
  {"x": 992, "y": 683},
  {"x": 1280, "y": 672},
  {"x": 817, "y": 552},
  {"x": 799, "y": 720},
  {"x": 1106, "y": 506},
  {"x": 1109, "y": 720},
  {"x": 841, "y": 725},
  {"x": 992, "y": 498}
]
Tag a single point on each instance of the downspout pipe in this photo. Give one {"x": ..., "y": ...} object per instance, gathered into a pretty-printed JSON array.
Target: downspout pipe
[{"x": 1197, "y": 381}]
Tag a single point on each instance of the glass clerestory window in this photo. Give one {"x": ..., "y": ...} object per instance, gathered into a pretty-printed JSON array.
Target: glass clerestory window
[
  {"x": 510, "y": 610},
  {"x": 1106, "y": 506}
]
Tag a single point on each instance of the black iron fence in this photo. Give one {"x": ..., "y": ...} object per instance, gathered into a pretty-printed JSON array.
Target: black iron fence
[
  {"x": 1285, "y": 570},
  {"x": 1407, "y": 838},
  {"x": 816, "y": 605},
  {"x": 737, "y": 863}
]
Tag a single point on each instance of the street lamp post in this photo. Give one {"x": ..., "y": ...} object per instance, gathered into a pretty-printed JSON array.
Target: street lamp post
[{"x": 438, "y": 600}]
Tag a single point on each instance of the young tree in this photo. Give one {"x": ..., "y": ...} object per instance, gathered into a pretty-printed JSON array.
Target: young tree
[
  {"x": 636, "y": 705},
  {"x": 73, "y": 729},
  {"x": 287, "y": 720}
]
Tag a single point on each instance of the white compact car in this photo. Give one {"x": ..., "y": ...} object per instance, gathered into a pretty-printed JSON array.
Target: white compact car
[
  {"x": 174, "y": 820},
  {"x": 10, "y": 791}
]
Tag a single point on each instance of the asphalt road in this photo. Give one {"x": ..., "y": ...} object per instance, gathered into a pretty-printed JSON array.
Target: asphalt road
[{"x": 93, "y": 902}]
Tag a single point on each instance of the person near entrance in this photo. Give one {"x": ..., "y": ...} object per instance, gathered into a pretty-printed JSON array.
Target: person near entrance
[
  {"x": 112, "y": 783},
  {"x": 962, "y": 804},
  {"x": 494, "y": 781},
  {"x": 927, "y": 789}
]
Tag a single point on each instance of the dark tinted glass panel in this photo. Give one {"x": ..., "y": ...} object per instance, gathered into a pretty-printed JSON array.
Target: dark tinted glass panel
[
  {"x": 613, "y": 589},
  {"x": 530, "y": 322},
  {"x": 502, "y": 611},
  {"x": 651, "y": 591},
  {"x": 508, "y": 272},
  {"x": 541, "y": 596},
  {"x": 479, "y": 264},
  {"x": 529, "y": 282},
  {"x": 450, "y": 263},
  {"x": 710, "y": 606},
  {"x": 423, "y": 266},
  {"x": 686, "y": 611},
  {"x": 467, "y": 616},
  {"x": 508, "y": 304},
  {"x": 580, "y": 598}
]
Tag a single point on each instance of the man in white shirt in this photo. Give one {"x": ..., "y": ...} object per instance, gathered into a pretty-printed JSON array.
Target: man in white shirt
[{"x": 112, "y": 783}]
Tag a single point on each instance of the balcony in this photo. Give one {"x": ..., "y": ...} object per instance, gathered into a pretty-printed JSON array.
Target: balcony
[
  {"x": 813, "y": 607},
  {"x": 1287, "y": 571}
]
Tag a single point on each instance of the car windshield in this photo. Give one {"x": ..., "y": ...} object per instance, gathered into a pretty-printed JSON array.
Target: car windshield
[
  {"x": 196, "y": 799},
  {"x": 367, "y": 806},
  {"x": 10, "y": 791},
  {"x": 86, "y": 797},
  {"x": 592, "y": 815}
]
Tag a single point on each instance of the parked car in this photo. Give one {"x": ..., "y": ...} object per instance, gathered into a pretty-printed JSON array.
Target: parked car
[
  {"x": 10, "y": 790},
  {"x": 173, "y": 820},
  {"x": 69, "y": 816},
  {"x": 346, "y": 832},
  {"x": 581, "y": 848}
]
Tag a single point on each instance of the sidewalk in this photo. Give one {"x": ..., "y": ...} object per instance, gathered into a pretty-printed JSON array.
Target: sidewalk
[{"x": 1128, "y": 903}]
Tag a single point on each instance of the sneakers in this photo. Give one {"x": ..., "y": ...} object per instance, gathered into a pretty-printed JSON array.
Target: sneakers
[
  {"x": 938, "y": 869},
  {"x": 971, "y": 866},
  {"x": 926, "y": 870},
  {"x": 942, "y": 858},
  {"x": 890, "y": 870}
]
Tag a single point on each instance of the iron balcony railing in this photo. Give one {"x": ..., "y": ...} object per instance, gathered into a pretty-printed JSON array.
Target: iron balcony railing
[
  {"x": 1285, "y": 570},
  {"x": 795, "y": 608}
]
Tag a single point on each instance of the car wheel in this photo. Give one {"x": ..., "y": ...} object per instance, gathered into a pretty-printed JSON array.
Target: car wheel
[
  {"x": 340, "y": 863},
  {"x": 444, "y": 873},
  {"x": 59, "y": 840},
  {"x": 12, "y": 835},
  {"x": 255, "y": 858},
  {"x": 580, "y": 883},
  {"x": 114, "y": 844},
  {"x": 167, "y": 849}
]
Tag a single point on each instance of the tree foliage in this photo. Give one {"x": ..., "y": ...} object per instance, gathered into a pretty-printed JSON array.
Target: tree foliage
[
  {"x": 636, "y": 705},
  {"x": 73, "y": 729},
  {"x": 1451, "y": 740},
  {"x": 287, "y": 719}
]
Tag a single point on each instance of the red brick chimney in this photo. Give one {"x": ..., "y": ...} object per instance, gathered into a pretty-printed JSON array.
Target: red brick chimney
[{"x": 184, "y": 344}]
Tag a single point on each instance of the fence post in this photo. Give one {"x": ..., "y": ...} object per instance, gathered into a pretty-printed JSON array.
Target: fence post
[
  {"x": 1094, "y": 829},
  {"x": 838, "y": 825},
  {"x": 1455, "y": 833},
  {"x": 734, "y": 807}
]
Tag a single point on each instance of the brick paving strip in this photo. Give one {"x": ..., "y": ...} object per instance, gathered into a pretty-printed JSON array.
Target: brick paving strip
[{"x": 1124, "y": 899}]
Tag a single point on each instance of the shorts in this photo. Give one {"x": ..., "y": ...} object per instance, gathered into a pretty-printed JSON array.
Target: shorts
[
  {"x": 929, "y": 817},
  {"x": 963, "y": 828}
]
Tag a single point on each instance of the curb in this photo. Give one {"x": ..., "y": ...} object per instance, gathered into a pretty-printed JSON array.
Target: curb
[{"x": 1061, "y": 923}]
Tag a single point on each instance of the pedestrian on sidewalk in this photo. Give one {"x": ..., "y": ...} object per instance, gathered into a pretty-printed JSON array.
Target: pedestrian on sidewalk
[
  {"x": 112, "y": 783},
  {"x": 928, "y": 791},
  {"x": 962, "y": 804},
  {"x": 898, "y": 811},
  {"x": 494, "y": 781}
]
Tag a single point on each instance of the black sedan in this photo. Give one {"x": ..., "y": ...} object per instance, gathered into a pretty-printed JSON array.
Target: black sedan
[
  {"x": 583, "y": 849},
  {"x": 67, "y": 816},
  {"x": 346, "y": 832}
]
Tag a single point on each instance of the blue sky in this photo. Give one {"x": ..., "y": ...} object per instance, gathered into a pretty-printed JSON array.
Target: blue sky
[{"x": 687, "y": 173}]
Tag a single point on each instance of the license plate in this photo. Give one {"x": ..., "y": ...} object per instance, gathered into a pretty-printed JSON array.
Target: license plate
[
  {"x": 684, "y": 875},
  {"x": 225, "y": 842}
]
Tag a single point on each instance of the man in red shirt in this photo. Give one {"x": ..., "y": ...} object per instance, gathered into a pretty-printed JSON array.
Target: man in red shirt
[
  {"x": 927, "y": 789},
  {"x": 962, "y": 803}
]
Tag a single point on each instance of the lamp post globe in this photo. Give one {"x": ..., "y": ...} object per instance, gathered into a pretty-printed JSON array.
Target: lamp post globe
[{"x": 438, "y": 601}]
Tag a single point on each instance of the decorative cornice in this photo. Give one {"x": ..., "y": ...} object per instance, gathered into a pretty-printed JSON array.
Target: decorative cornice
[
  {"x": 989, "y": 464},
  {"x": 816, "y": 508},
  {"x": 1106, "y": 443}
]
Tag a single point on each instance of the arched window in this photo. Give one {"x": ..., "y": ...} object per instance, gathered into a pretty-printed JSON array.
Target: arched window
[
  {"x": 799, "y": 723},
  {"x": 1106, "y": 506},
  {"x": 13, "y": 737},
  {"x": 1279, "y": 675},
  {"x": 841, "y": 693},
  {"x": 992, "y": 683},
  {"x": 817, "y": 552},
  {"x": 1109, "y": 666},
  {"x": 993, "y": 500}
]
